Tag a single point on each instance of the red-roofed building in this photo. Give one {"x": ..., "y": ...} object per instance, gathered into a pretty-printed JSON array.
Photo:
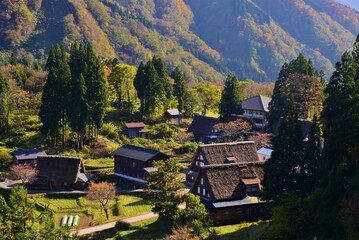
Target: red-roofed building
[{"x": 135, "y": 130}]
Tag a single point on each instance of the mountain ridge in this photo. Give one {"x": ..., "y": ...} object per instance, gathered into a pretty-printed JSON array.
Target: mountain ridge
[{"x": 206, "y": 38}]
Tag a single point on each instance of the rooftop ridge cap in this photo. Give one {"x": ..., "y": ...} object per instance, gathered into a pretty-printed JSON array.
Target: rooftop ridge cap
[{"x": 226, "y": 144}]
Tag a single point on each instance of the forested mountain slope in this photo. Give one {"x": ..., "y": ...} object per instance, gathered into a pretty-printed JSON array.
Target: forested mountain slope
[{"x": 206, "y": 38}]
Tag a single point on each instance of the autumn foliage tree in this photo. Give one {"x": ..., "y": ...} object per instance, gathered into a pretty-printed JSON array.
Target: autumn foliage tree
[
  {"x": 23, "y": 172},
  {"x": 234, "y": 129},
  {"x": 102, "y": 192}
]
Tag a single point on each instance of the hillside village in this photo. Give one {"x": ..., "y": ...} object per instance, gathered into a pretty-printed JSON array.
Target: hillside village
[{"x": 97, "y": 143}]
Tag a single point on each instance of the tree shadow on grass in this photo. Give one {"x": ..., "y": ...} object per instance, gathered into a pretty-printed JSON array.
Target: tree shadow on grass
[
  {"x": 252, "y": 232},
  {"x": 137, "y": 203}
]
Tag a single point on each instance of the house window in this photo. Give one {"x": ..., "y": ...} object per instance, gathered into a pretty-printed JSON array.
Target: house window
[
  {"x": 239, "y": 210},
  {"x": 133, "y": 164},
  {"x": 225, "y": 212},
  {"x": 204, "y": 192},
  {"x": 198, "y": 190},
  {"x": 201, "y": 157},
  {"x": 201, "y": 181},
  {"x": 208, "y": 195},
  {"x": 192, "y": 178},
  {"x": 264, "y": 158}
]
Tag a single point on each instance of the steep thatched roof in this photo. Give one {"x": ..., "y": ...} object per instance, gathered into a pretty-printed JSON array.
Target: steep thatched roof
[
  {"x": 60, "y": 168},
  {"x": 225, "y": 181},
  {"x": 202, "y": 124},
  {"x": 233, "y": 152}
]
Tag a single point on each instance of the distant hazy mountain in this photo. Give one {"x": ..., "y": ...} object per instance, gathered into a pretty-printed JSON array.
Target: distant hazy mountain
[
  {"x": 351, "y": 3},
  {"x": 206, "y": 38}
]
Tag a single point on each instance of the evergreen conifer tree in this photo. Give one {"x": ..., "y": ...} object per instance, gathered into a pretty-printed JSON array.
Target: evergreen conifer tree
[
  {"x": 140, "y": 84},
  {"x": 96, "y": 91},
  {"x": 312, "y": 155},
  {"x": 179, "y": 88},
  {"x": 55, "y": 97},
  {"x": 284, "y": 171},
  {"x": 231, "y": 98}
]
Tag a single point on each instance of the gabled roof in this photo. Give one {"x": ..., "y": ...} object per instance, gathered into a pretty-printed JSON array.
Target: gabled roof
[
  {"x": 135, "y": 125},
  {"x": 258, "y": 103},
  {"x": 225, "y": 181},
  {"x": 202, "y": 124},
  {"x": 218, "y": 153},
  {"x": 28, "y": 154},
  {"x": 173, "y": 112},
  {"x": 138, "y": 153},
  {"x": 60, "y": 168}
]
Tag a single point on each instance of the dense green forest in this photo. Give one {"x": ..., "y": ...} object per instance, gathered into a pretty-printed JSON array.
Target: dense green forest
[{"x": 206, "y": 39}]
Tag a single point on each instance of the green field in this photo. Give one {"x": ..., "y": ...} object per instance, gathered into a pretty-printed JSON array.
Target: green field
[
  {"x": 155, "y": 229},
  {"x": 127, "y": 205}
]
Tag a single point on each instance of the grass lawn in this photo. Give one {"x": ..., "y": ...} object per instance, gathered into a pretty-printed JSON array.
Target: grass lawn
[
  {"x": 148, "y": 229},
  {"x": 248, "y": 231},
  {"x": 154, "y": 229},
  {"x": 126, "y": 205},
  {"x": 99, "y": 164}
]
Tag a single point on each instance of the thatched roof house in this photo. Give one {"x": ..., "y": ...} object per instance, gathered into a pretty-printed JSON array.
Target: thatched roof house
[
  {"x": 230, "y": 191},
  {"x": 222, "y": 153},
  {"x": 227, "y": 177},
  {"x": 60, "y": 172}
]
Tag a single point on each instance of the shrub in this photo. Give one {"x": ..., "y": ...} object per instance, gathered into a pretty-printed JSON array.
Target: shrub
[
  {"x": 5, "y": 157},
  {"x": 161, "y": 130},
  {"x": 120, "y": 225},
  {"x": 110, "y": 131},
  {"x": 189, "y": 147}
]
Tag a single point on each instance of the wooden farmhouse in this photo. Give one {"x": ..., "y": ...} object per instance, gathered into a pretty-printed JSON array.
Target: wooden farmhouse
[
  {"x": 203, "y": 129},
  {"x": 136, "y": 163},
  {"x": 60, "y": 173},
  {"x": 173, "y": 116},
  {"x": 227, "y": 178},
  {"x": 256, "y": 108},
  {"x": 27, "y": 156},
  {"x": 134, "y": 130}
]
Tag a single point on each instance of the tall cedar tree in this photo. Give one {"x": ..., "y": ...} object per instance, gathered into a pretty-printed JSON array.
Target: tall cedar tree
[
  {"x": 283, "y": 88},
  {"x": 5, "y": 101},
  {"x": 340, "y": 162},
  {"x": 96, "y": 91},
  {"x": 162, "y": 186},
  {"x": 162, "y": 73},
  {"x": 140, "y": 84},
  {"x": 284, "y": 171},
  {"x": 179, "y": 88},
  {"x": 155, "y": 94},
  {"x": 153, "y": 88},
  {"x": 312, "y": 155},
  {"x": 55, "y": 96},
  {"x": 78, "y": 113},
  {"x": 232, "y": 96}
]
